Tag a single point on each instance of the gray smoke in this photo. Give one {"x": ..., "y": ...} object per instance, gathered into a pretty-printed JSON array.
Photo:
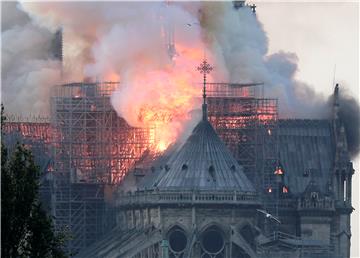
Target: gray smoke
[
  {"x": 106, "y": 39},
  {"x": 28, "y": 69},
  {"x": 240, "y": 44},
  {"x": 349, "y": 114}
]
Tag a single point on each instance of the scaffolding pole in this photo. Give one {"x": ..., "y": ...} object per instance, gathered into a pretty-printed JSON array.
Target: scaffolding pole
[
  {"x": 248, "y": 124},
  {"x": 93, "y": 148}
]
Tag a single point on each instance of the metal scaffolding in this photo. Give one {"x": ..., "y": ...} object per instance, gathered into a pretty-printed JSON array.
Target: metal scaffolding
[
  {"x": 247, "y": 123},
  {"x": 93, "y": 150},
  {"x": 94, "y": 144}
]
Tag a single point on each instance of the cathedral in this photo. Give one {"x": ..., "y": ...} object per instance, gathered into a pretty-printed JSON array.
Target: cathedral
[
  {"x": 197, "y": 201},
  {"x": 244, "y": 183}
]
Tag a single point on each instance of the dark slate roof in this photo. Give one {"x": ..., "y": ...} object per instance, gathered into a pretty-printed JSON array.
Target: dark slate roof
[
  {"x": 39, "y": 149},
  {"x": 306, "y": 152},
  {"x": 119, "y": 243},
  {"x": 202, "y": 163}
]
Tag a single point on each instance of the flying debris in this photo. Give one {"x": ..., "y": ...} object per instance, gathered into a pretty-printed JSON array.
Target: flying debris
[
  {"x": 193, "y": 23},
  {"x": 269, "y": 216}
]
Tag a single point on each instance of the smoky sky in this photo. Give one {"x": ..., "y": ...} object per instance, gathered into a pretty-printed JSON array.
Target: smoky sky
[
  {"x": 95, "y": 43},
  {"x": 28, "y": 69}
]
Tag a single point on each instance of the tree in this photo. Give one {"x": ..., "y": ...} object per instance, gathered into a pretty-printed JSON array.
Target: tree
[{"x": 26, "y": 229}]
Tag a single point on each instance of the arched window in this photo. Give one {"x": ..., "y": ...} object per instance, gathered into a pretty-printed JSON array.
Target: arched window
[
  {"x": 212, "y": 243},
  {"x": 177, "y": 242}
]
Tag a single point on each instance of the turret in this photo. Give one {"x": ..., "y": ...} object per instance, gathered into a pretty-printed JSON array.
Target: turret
[
  {"x": 342, "y": 166},
  {"x": 57, "y": 45},
  {"x": 342, "y": 177},
  {"x": 336, "y": 107},
  {"x": 315, "y": 210}
]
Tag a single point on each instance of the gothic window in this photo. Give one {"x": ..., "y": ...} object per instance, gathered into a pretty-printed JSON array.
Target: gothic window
[
  {"x": 212, "y": 243},
  {"x": 177, "y": 242}
]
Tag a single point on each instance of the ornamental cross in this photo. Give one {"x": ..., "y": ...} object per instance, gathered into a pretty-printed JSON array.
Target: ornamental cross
[{"x": 204, "y": 68}]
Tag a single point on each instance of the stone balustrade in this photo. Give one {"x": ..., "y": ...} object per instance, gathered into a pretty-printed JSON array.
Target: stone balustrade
[
  {"x": 166, "y": 197},
  {"x": 323, "y": 203}
]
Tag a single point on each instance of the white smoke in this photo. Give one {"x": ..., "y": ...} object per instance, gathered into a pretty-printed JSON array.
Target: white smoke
[
  {"x": 241, "y": 45},
  {"x": 28, "y": 71},
  {"x": 127, "y": 42},
  {"x": 119, "y": 41}
]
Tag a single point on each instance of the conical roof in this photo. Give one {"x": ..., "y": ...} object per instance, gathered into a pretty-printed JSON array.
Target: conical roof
[{"x": 202, "y": 163}]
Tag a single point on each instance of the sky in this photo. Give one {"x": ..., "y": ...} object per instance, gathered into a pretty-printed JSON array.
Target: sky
[{"x": 324, "y": 35}]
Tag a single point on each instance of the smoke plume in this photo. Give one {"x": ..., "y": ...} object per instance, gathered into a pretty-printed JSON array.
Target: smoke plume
[
  {"x": 239, "y": 43},
  {"x": 28, "y": 68},
  {"x": 129, "y": 42},
  {"x": 349, "y": 114}
]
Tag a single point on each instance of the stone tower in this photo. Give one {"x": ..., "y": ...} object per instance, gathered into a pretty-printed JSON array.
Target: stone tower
[{"x": 342, "y": 183}]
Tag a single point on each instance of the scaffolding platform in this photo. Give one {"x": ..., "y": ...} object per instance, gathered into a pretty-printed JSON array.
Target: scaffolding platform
[
  {"x": 93, "y": 150},
  {"x": 248, "y": 124}
]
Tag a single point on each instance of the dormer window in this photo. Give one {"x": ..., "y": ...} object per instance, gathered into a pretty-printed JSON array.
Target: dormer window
[
  {"x": 212, "y": 172},
  {"x": 167, "y": 167},
  {"x": 306, "y": 173},
  {"x": 184, "y": 167},
  {"x": 211, "y": 169},
  {"x": 285, "y": 189},
  {"x": 279, "y": 171}
]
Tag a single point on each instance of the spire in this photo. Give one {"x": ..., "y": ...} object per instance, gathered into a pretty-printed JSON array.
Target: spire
[
  {"x": 335, "y": 112},
  {"x": 204, "y": 68},
  {"x": 336, "y": 103}
]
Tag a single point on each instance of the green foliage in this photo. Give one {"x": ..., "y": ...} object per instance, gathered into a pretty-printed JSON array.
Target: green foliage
[
  {"x": 40, "y": 232},
  {"x": 26, "y": 229}
]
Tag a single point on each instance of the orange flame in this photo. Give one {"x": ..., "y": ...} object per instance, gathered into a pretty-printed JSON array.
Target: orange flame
[{"x": 163, "y": 98}]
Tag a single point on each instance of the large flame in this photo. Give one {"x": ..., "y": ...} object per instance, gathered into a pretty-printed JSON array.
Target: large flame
[
  {"x": 166, "y": 106},
  {"x": 162, "y": 98}
]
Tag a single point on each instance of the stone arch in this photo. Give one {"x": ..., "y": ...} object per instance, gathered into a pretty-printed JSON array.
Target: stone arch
[
  {"x": 243, "y": 240},
  {"x": 177, "y": 225},
  {"x": 244, "y": 223},
  {"x": 213, "y": 240},
  {"x": 224, "y": 229},
  {"x": 178, "y": 240}
]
